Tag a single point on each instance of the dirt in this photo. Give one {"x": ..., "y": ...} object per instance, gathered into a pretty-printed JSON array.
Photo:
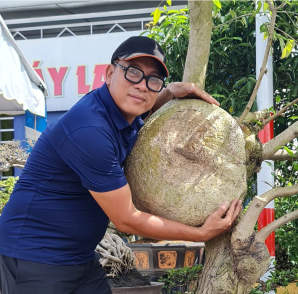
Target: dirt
[{"x": 131, "y": 279}]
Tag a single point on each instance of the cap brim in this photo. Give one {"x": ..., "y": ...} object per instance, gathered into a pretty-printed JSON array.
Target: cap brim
[{"x": 136, "y": 55}]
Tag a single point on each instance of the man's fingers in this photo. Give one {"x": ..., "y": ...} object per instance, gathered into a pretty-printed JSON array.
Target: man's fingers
[
  {"x": 222, "y": 210},
  {"x": 238, "y": 209},
  {"x": 231, "y": 211},
  {"x": 205, "y": 96},
  {"x": 234, "y": 210}
]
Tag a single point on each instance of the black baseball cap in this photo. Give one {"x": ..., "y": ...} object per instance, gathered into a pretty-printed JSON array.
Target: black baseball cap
[{"x": 138, "y": 46}]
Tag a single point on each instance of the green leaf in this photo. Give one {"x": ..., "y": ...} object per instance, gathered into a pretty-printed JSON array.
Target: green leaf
[
  {"x": 293, "y": 117},
  {"x": 233, "y": 13},
  {"x": 156, "y": 15},
  {"x": 290, "y": 152},
  {"x": 265, "y": 7},
  {"x": 169, "y": 2},
  {"x": 165, "y": 7},
  {"x": 278, "y": 99},
  {"x": 259, "y": 7},
  {"x": 217, "y": 3},
  {"x": 288, "y": 49}
]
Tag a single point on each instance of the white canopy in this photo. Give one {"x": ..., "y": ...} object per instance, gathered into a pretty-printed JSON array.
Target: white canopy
[{"x": 20, "y": 86}]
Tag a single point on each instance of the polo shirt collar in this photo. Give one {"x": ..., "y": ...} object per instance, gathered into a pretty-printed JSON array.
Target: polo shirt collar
[{"x": 113, "y": 110}]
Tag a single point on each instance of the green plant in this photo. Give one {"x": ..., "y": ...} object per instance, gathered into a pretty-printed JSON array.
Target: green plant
[
  {"x": 277, "y": 278},
  {"x": 172, "y": 34},
  {"x": 286, "y": 237},
  {"x": 6, "y": 188},
  {"x": 180, "y": 278}
]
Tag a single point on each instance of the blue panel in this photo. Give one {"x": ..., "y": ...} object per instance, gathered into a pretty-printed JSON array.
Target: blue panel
[{"x": 33, "y": 120}]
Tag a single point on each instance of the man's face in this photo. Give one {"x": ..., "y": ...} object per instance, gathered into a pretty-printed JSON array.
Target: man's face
[{"x": 132, "y": 99}]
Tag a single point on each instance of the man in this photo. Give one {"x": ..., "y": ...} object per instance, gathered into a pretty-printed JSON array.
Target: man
[{"x": 73, "y": 183}]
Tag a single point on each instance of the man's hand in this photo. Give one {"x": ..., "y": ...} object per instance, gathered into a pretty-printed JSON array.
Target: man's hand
[
  {"x": 221, "y": 220},
  {"x": 191, "y": 90}
]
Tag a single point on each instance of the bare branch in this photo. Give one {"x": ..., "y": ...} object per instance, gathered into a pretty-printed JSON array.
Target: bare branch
[
  {"x": 12, "y": 155},
  {"x": 281, "y": 140},
  {"x": 281, "y": 6},
  {"x": 281, "y": 155},
  {"x": 246, "y": 225},
  {"x": 231, "y": 20},
  {"x": 287, "y": 35},
  {"x": 279, "y": 113},
  {"x": 263, "y": 67},
  {"x": 265, "y": 232}
]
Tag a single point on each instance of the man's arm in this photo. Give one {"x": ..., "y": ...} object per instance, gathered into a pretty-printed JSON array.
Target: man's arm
[
  {"x": 181, "y": 90},
  {"x": 120, "y": 209}
]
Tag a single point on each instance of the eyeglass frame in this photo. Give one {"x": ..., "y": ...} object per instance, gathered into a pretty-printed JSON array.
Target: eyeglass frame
[{"x": 144, "y": 77}]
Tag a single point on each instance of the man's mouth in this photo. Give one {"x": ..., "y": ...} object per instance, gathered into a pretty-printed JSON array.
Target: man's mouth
[{"x": 137, "y": 97}]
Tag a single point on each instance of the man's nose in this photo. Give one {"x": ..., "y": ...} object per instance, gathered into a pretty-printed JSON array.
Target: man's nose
[{"x": 142, "y": 85}]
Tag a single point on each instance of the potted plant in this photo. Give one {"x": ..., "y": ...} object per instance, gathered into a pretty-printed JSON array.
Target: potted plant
[
  {"x": 155, "y": 258},
  {"x": 180, "y": 280},
  {"x": 119, "y": 262}
]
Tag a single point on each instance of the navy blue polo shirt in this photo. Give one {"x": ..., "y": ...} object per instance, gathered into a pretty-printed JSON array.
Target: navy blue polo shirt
[{"x": 51, "y": 217}]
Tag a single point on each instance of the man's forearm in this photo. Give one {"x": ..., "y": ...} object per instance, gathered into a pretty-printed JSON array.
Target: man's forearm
[{"x": 158, "y": 228}]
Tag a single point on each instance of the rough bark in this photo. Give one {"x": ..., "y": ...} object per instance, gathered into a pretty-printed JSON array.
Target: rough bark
[
  {"x": 195, "y": 160},
  {"x": 201, "y": 25},
  {"x": 233, "y": 268}
]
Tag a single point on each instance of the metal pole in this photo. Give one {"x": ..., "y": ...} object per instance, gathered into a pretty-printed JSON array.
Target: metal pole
[{"x": 265, "y": 178}]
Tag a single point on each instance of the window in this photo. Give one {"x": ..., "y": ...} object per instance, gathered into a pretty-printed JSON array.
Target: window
[{"x": 6, "y": 134}]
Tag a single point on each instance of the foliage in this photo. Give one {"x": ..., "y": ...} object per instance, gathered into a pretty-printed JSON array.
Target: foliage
[
  {"x": 231, "y": 70},
  {"x": 277, "y": 279},
  {"x": 7, "y": 187},
  {"x": 231, "y": 73},
  {"x": 286, "y": 236},
  {"x": 172, "y": 34},
  {"x": 179, "y": 278},
  {"x": 176, "y": 278}
]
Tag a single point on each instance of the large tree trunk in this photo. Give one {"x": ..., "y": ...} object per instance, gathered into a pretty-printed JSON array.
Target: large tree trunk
[{"x": 233, "y": 268}]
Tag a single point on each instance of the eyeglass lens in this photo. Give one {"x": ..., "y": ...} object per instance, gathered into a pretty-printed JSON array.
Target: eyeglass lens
[{"x": 135, "y": 75}]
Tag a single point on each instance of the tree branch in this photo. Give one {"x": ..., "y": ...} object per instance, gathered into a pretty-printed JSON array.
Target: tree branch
[
  {"x": 279, "y": 113},
  {"x": 282, "y": 155},
  {"x": 280, "y": 6},
  {"x": 246, "y": 225},
  {"x": 282, "y": 139},
  {"x": 289, "y": 36},
  {"x": 231, "y": 20},
  {"x": 266, "y": 231},
  {"x": 263, "y": 67},
  {"x": 201, "y": 24}
]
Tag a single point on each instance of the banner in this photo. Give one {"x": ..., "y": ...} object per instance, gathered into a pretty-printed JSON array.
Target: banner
[{"x": 71, "y": 66}]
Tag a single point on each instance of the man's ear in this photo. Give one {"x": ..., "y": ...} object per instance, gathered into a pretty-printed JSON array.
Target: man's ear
[{"x": 109, "y": 72}]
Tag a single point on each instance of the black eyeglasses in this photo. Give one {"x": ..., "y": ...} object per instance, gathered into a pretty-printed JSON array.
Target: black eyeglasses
[{"x": 135, "y": 75}]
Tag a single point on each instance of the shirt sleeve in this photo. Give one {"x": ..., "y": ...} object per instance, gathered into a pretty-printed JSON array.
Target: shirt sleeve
[{"x": 92, "y": 153}]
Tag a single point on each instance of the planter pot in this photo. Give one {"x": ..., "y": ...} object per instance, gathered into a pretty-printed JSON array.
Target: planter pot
[
  {"x": 154, "y": 288},
  {"x": 290, "y": 289},
  {"x": 154, "y": 259}
]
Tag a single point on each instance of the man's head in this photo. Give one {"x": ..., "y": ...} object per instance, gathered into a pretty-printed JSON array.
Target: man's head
[
  {"x": 139, "y": 46},
  {"x": 136, "y": 75}
]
